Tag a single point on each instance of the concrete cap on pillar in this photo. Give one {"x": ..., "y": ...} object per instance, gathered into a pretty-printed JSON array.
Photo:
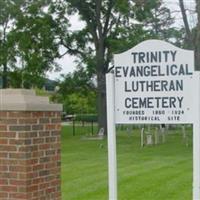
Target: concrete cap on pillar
[{"x": 25, "y": 100}]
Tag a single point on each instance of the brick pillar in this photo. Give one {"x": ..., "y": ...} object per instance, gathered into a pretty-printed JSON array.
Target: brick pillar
[{"x": 29, "y": 147}]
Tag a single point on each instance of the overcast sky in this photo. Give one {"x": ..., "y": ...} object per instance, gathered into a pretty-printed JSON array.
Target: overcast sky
[{"x": 67, "y": 62}]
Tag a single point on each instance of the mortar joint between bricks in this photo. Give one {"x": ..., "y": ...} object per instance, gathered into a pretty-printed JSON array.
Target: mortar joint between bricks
[{"x": 17, "y": 135}]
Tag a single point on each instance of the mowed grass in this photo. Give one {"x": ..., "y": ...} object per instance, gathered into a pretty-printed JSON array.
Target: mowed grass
[{"x": 162, "y": 172}]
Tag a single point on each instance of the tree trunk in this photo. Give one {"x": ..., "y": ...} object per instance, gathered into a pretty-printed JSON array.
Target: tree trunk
[
  {"x": 197, "y": 39},
  {"x": 101, "y": 102},
  {"x": 5, "y": 76},
  {"x": 101, "y": 87},
  {"x": 189, "y": 39}
]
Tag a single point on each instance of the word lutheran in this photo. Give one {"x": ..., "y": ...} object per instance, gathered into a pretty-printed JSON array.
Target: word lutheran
[{"x": 154, "y": 76}]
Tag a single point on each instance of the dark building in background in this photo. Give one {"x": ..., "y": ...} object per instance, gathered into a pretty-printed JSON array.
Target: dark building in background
[{"x": 50, "y": 85}]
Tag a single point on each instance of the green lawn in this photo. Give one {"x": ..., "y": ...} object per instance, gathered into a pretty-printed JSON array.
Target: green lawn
[{"x": 162, "y": 172}]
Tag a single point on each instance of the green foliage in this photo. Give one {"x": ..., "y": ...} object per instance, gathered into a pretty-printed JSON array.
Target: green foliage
[
  {"x": 77, "y": 93},
  {"x": 27, "y": 40},
  {"x": 8, "y": 12},
  {"x": 41, "y": 92},
  {"x": 79, "y": 103},
  {"x": 108, "y": 23},
  {"x": 110, "y": 27},
  {"x": 128, "y": 38},
  {"x": 35, "y": 40}
]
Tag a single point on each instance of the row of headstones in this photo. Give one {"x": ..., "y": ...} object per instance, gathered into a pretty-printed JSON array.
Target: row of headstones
[
  {"x": 158, "y": 136},
  {"x": 150, "y": 137}
]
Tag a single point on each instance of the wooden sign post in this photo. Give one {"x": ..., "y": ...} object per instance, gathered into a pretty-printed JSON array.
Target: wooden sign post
[{"x": 153, "y": 83}]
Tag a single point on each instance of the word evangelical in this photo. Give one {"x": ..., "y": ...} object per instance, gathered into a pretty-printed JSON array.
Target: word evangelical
[{"x": 152, "y": 70}]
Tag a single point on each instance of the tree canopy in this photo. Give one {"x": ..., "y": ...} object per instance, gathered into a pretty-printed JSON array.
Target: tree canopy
[
  {"x": 27, "y": 40},
  {"x": 77, "y": 92},
  {"x": 32, "y": 32},
  {"x": 111, "y": 26}
]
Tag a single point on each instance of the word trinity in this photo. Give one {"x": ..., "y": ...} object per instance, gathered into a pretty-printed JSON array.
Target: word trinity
[
  {"x": 152, "y": 78},
  {"x": 156, "y": 56}
]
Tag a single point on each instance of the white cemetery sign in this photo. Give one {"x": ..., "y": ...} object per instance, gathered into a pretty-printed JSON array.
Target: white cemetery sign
[{"x": 154, "y": 82}]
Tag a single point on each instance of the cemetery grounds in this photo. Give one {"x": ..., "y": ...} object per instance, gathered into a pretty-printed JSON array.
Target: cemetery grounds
[{"x": 154, "y": 172}]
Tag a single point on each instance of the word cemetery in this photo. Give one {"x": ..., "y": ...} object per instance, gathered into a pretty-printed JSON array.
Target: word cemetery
[{"x": 155, "y": 82}]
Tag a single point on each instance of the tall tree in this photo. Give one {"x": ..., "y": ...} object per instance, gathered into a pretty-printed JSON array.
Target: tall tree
[
  {"x": 160, "y": 21},
  {"x": 107, "y": 22},
  {"x": 188, "y": 36},
  {"x": 197, "y": 39},
  {"x": 192, "y": 35},
  {"x": 35, "y": 41},
  {"x": 27, "y": 40},
  {"x": 8, "y": 12}
]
